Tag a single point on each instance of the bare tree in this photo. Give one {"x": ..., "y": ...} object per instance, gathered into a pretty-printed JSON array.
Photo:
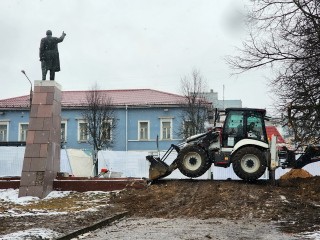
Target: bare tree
[
  {"x": 100, "y": 122},
  {"x": 194, "y": 107},
  {"x": 285, "y": 36}
]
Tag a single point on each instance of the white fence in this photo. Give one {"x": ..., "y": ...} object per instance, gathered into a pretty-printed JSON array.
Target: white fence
[
  {"x": 131, "y": 164},
  {"x": 11, "y": 161}
]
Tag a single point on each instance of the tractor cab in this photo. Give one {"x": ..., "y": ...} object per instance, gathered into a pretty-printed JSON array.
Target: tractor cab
[{"x": 243, "y": 123}]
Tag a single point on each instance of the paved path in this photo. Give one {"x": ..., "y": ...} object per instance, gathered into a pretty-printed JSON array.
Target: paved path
[{"x": 177, "y": 229}]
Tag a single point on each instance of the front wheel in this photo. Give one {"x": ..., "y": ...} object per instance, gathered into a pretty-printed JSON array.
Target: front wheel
[
  {"x": 249, "y": 163},
  {"x": 193, "y": 161}
]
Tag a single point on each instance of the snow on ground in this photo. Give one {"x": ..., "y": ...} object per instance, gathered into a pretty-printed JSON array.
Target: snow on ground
[
  {"x": 12, "y": 196},
  {"x": 33, "y": 233},
  {"x": 310, "y": 235}
]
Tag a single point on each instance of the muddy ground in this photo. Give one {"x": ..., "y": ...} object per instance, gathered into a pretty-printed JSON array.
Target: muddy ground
[{"x": 293, "y": 205}]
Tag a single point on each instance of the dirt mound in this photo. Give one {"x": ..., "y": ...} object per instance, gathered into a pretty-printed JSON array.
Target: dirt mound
[
  {"x": 233, "y": 200},
  {"x": 296, "y": 173}
]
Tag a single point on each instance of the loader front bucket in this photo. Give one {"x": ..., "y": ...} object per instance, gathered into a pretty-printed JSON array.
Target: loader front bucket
[{"x": 159, "y": 169}]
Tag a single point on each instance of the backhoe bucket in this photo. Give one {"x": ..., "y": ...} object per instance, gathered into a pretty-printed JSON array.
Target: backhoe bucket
[{"x": 159, "y": 169}]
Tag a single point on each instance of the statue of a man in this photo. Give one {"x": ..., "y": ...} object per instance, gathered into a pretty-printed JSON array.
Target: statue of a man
[{"x": 49, "y": 54}]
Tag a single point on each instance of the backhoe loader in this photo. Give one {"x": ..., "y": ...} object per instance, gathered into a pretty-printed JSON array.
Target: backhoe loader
[{"x": 241, "y": 142}]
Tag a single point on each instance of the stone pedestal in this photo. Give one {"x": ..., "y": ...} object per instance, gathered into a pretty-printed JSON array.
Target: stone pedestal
[{"x": 42, "y": 155}]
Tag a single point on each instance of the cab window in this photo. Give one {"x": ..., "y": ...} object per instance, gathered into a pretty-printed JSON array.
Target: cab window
[
  {"x": 255, "y": 127},
  {"x": 233, "y": 128}
]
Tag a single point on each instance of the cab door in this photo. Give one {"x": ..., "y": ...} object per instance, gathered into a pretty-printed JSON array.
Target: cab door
[
  {"x": 255, "y": 127},
  {"x": 233, "y": 129}
]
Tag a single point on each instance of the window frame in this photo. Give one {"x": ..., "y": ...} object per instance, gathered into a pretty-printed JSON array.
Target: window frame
[
  {"x": 80, "y": 122},
  {"x": 165, "y": 120},
  {"x": 20, "y": 131},
  {"x": 65, "y": 131},
  {"x": 110, "y": 121},
  {"x": 148, "y": 130},
  {"x": 7, "y": 131},
  {"x": 187, "y": 128}
]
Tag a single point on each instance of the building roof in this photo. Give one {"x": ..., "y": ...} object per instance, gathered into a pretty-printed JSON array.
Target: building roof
[
  {"x": 273, "y": 131},
  {"x": 130, "y": 97}
]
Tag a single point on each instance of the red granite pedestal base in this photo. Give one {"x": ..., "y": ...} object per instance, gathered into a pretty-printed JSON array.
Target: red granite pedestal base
[{"x": 42, "y": 155}]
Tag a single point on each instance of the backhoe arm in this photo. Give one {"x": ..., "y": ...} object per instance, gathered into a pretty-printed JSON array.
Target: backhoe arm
[{"x": 310, "y": 155}]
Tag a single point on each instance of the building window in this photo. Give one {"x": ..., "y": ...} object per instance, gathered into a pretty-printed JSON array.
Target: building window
[
  {"x": 64, "y": 131},
  {"x": 23, "y": 129},
  {"x": 106, "y": 130},
  {"x": 82, "y": 131},
  {"x": 188, "y": 129},
  {"x": 143, "y": 130},
  {"x": 166, "y": 129},
  {"x": 4, "y": 132}
]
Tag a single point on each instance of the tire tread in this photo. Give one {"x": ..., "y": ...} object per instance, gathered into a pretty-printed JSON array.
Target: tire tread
[
  {"x": 205, "y": 164},
  {"x": 236, "y": 163}
]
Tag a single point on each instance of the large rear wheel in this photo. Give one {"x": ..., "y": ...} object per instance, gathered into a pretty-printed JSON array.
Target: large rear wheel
[
  {"x": 249, "y": 163},
  {"x": 193, "y": 161}
]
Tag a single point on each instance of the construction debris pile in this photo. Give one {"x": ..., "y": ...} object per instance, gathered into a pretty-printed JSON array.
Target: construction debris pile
[{"x": 296, "y": 173}]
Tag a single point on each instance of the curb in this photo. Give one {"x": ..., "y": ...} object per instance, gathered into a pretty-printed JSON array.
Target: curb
[{"x": 93, "y": 227}]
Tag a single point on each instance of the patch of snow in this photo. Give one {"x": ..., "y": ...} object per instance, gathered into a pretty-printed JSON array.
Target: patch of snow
[
  {"x": 57, "y": 194},
  {"x": 311, "y": 235},
  {"x": 89, "y": 210},
  {"x": 39, "y": 233},
  {"x": 12, "y": 195},
  {"x": 83, "y": 236},
  {"x": 13, "y": 213},
  {"x": 98, "y": 192},
  {"x": 283, "y": 198}
]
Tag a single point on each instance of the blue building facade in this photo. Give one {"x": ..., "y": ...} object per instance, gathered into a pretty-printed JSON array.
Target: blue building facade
[
  {"x": 139, "y": 123},
  {"x": 137, "y": 128},
  {"x": 143, "y": 118}
]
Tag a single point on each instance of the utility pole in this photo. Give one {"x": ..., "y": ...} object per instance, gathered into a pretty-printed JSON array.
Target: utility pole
[{"x": 31, "y": 93}]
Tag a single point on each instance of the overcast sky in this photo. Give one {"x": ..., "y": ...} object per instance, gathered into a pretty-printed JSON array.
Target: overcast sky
[{"x": 127, "y": 44}]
